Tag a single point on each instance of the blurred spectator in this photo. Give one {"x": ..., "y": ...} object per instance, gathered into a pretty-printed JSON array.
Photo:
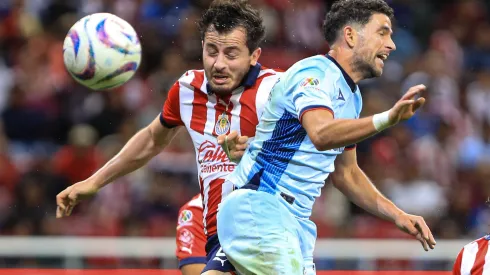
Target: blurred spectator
[
  {"x": 79, "y": 159},
  {"x": 436, "y": 155}
]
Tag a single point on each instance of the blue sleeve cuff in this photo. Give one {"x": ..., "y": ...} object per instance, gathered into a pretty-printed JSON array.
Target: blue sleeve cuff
[
  {"x": 192, "y": 260},
  {"x": 164, "y": 123},
  {"x": 311, "y": 108},
  {"x": 350, "y": 147}
]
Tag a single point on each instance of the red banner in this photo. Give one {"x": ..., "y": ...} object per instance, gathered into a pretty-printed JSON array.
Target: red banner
[{"x": 176, "y": 272}]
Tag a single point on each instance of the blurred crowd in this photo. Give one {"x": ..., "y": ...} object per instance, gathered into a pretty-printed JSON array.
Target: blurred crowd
[{"x": 54, "y": 132}]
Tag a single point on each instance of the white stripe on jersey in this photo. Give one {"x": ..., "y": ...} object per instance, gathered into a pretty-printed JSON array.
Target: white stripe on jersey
[
  {"x": 469, "y": 257},
  {"x": 268, "y": 71},
  {"x": 235, "y": 112},
  {"x": 186, "y": 96},
  {"x": 209, "y": 126},
  {"x": 197, "y": 202},
  {"x": 263, "y": 93},
  {"x": 205, "y": 189},
  {"x": 486, "y": 266}
]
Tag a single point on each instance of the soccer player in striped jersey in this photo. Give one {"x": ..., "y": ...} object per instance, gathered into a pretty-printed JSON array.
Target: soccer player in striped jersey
[
  {"x": 307, "y": 134},
  {"x": 474, "y": 258},
  {"x": 229, "y": 94}
]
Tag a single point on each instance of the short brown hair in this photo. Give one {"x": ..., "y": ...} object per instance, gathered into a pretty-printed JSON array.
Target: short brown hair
[
  {"x": 226, "y": 15},
  {"x": 346, "y": 12}
]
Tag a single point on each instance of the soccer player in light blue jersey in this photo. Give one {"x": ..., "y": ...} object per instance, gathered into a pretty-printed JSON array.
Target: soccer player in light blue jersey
[{"x": 307, "y": 134}]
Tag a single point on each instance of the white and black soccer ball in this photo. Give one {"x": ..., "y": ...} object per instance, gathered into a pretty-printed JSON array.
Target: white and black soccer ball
[{"x": 102, "y": 51}]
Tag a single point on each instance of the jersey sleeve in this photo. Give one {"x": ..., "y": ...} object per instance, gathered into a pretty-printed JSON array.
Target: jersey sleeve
[
  {"x": 311, "y": 91},
  {"x": 457, "y": 263},
  {"x": 351, "y": 147},
  {"x": 170, "y": 115},
  {"x": 190, "y": 237}
]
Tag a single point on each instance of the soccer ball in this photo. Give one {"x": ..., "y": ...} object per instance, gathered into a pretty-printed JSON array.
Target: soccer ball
[{"x": 102, "y": 51}]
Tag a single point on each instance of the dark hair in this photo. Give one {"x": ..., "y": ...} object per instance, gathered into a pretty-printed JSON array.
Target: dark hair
[
  {"x": 346, "y": 12},
  {"x": 226, "y": 15}
]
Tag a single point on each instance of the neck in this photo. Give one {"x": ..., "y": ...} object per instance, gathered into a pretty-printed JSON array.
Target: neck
[{"x": 345, "y": 61}]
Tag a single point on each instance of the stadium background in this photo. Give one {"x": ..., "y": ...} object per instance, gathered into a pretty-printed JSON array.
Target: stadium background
[{"x": 54, "y": 132}]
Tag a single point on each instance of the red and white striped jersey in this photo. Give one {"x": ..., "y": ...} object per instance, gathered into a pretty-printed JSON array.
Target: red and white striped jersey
[
  {"x": 474, "y": 258},
  {"x": 207, "y": 115}
]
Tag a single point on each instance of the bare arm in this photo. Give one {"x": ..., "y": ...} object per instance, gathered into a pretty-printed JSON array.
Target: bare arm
[
  {"x": 192, "y": 269},
  {"x": 353, "y": 183},
  {"x": 327, "y": 132},
  {"x": 143, "y": 146},
  {"x": 140, "y": 149}
]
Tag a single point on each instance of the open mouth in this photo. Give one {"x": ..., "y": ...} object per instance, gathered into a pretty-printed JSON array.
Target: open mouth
[
  {"x": 220, "y": 79},
  {"x": 383, "y": 57}
]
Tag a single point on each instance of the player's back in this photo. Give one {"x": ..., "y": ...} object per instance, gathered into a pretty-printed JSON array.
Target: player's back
[
  {"x": 473, "y": 258},
  {"x": 282, "y": 157}
]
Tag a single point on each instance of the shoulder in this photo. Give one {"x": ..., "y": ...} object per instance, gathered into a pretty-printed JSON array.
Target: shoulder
[
  {"x": 191, "y": 79},
  {"x": 265, "y": 71},
  {"x": 317, "y": 67}
]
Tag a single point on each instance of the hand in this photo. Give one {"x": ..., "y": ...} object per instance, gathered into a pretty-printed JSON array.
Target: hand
[
  {"x": 416, "y": 226},
  {"x": 233, "y": 145},
  {"x": 406, "y": 107},
  {"x": 71, "y": 196}
]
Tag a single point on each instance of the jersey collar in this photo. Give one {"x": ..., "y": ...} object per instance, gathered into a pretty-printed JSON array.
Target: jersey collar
[
  {"x": 247, "y": 82},
  {"x": 349, "y": 80}
]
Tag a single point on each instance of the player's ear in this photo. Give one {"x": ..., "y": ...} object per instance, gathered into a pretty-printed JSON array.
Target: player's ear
[
  {"x": 350, "y": 36},
  {"x": 255, "y": 56}
]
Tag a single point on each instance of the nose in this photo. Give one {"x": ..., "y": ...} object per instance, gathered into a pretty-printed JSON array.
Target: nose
[
  {"x": 391, "y": 45},
  {"x": 220, "y": 63}
]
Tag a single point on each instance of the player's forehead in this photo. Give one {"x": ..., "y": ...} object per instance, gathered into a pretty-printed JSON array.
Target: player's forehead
[
  {"x": 379, "y": 21},
  {"x": 236, "y": 37}
]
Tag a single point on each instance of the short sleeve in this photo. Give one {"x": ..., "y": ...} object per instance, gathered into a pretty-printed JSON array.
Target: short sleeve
[
  {"x": 311, "y": 92},
  {"x": 190, "y": 237},
  {"x": 170, "y": 115},
  {"x": 457, "y": 263}
]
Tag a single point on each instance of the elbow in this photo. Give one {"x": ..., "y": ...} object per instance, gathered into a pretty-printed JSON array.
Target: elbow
[
  {"x": 337, "y": 180},
  {"x": 322, "y": 143},
  {"x": 342, "y": 178}
]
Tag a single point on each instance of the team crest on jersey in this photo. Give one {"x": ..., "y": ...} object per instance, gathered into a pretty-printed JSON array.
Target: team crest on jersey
[
  {"x": 310, "y": 81},
  {"x": 222, "y": 124},
  {"x": 185, "y": 217}
]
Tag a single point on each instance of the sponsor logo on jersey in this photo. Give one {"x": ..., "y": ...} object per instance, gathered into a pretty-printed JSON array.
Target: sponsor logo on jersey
[
  {"x": 310, "y": 81},
  {"x": 185, "y": 217},
  {"x": 341, "y": 96},
  {"x": 186, "y": 240},
  {"x": 212, "y": 158}
]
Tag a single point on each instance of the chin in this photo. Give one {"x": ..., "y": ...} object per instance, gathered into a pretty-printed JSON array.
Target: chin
[
  {"x": 373, "y": 72},
  {"x": 221, "y": 89}
]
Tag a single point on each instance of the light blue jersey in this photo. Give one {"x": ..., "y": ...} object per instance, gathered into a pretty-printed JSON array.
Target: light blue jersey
[
  {"x": 282, "y": 156},
  {"x": 268, "y": 231}
]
